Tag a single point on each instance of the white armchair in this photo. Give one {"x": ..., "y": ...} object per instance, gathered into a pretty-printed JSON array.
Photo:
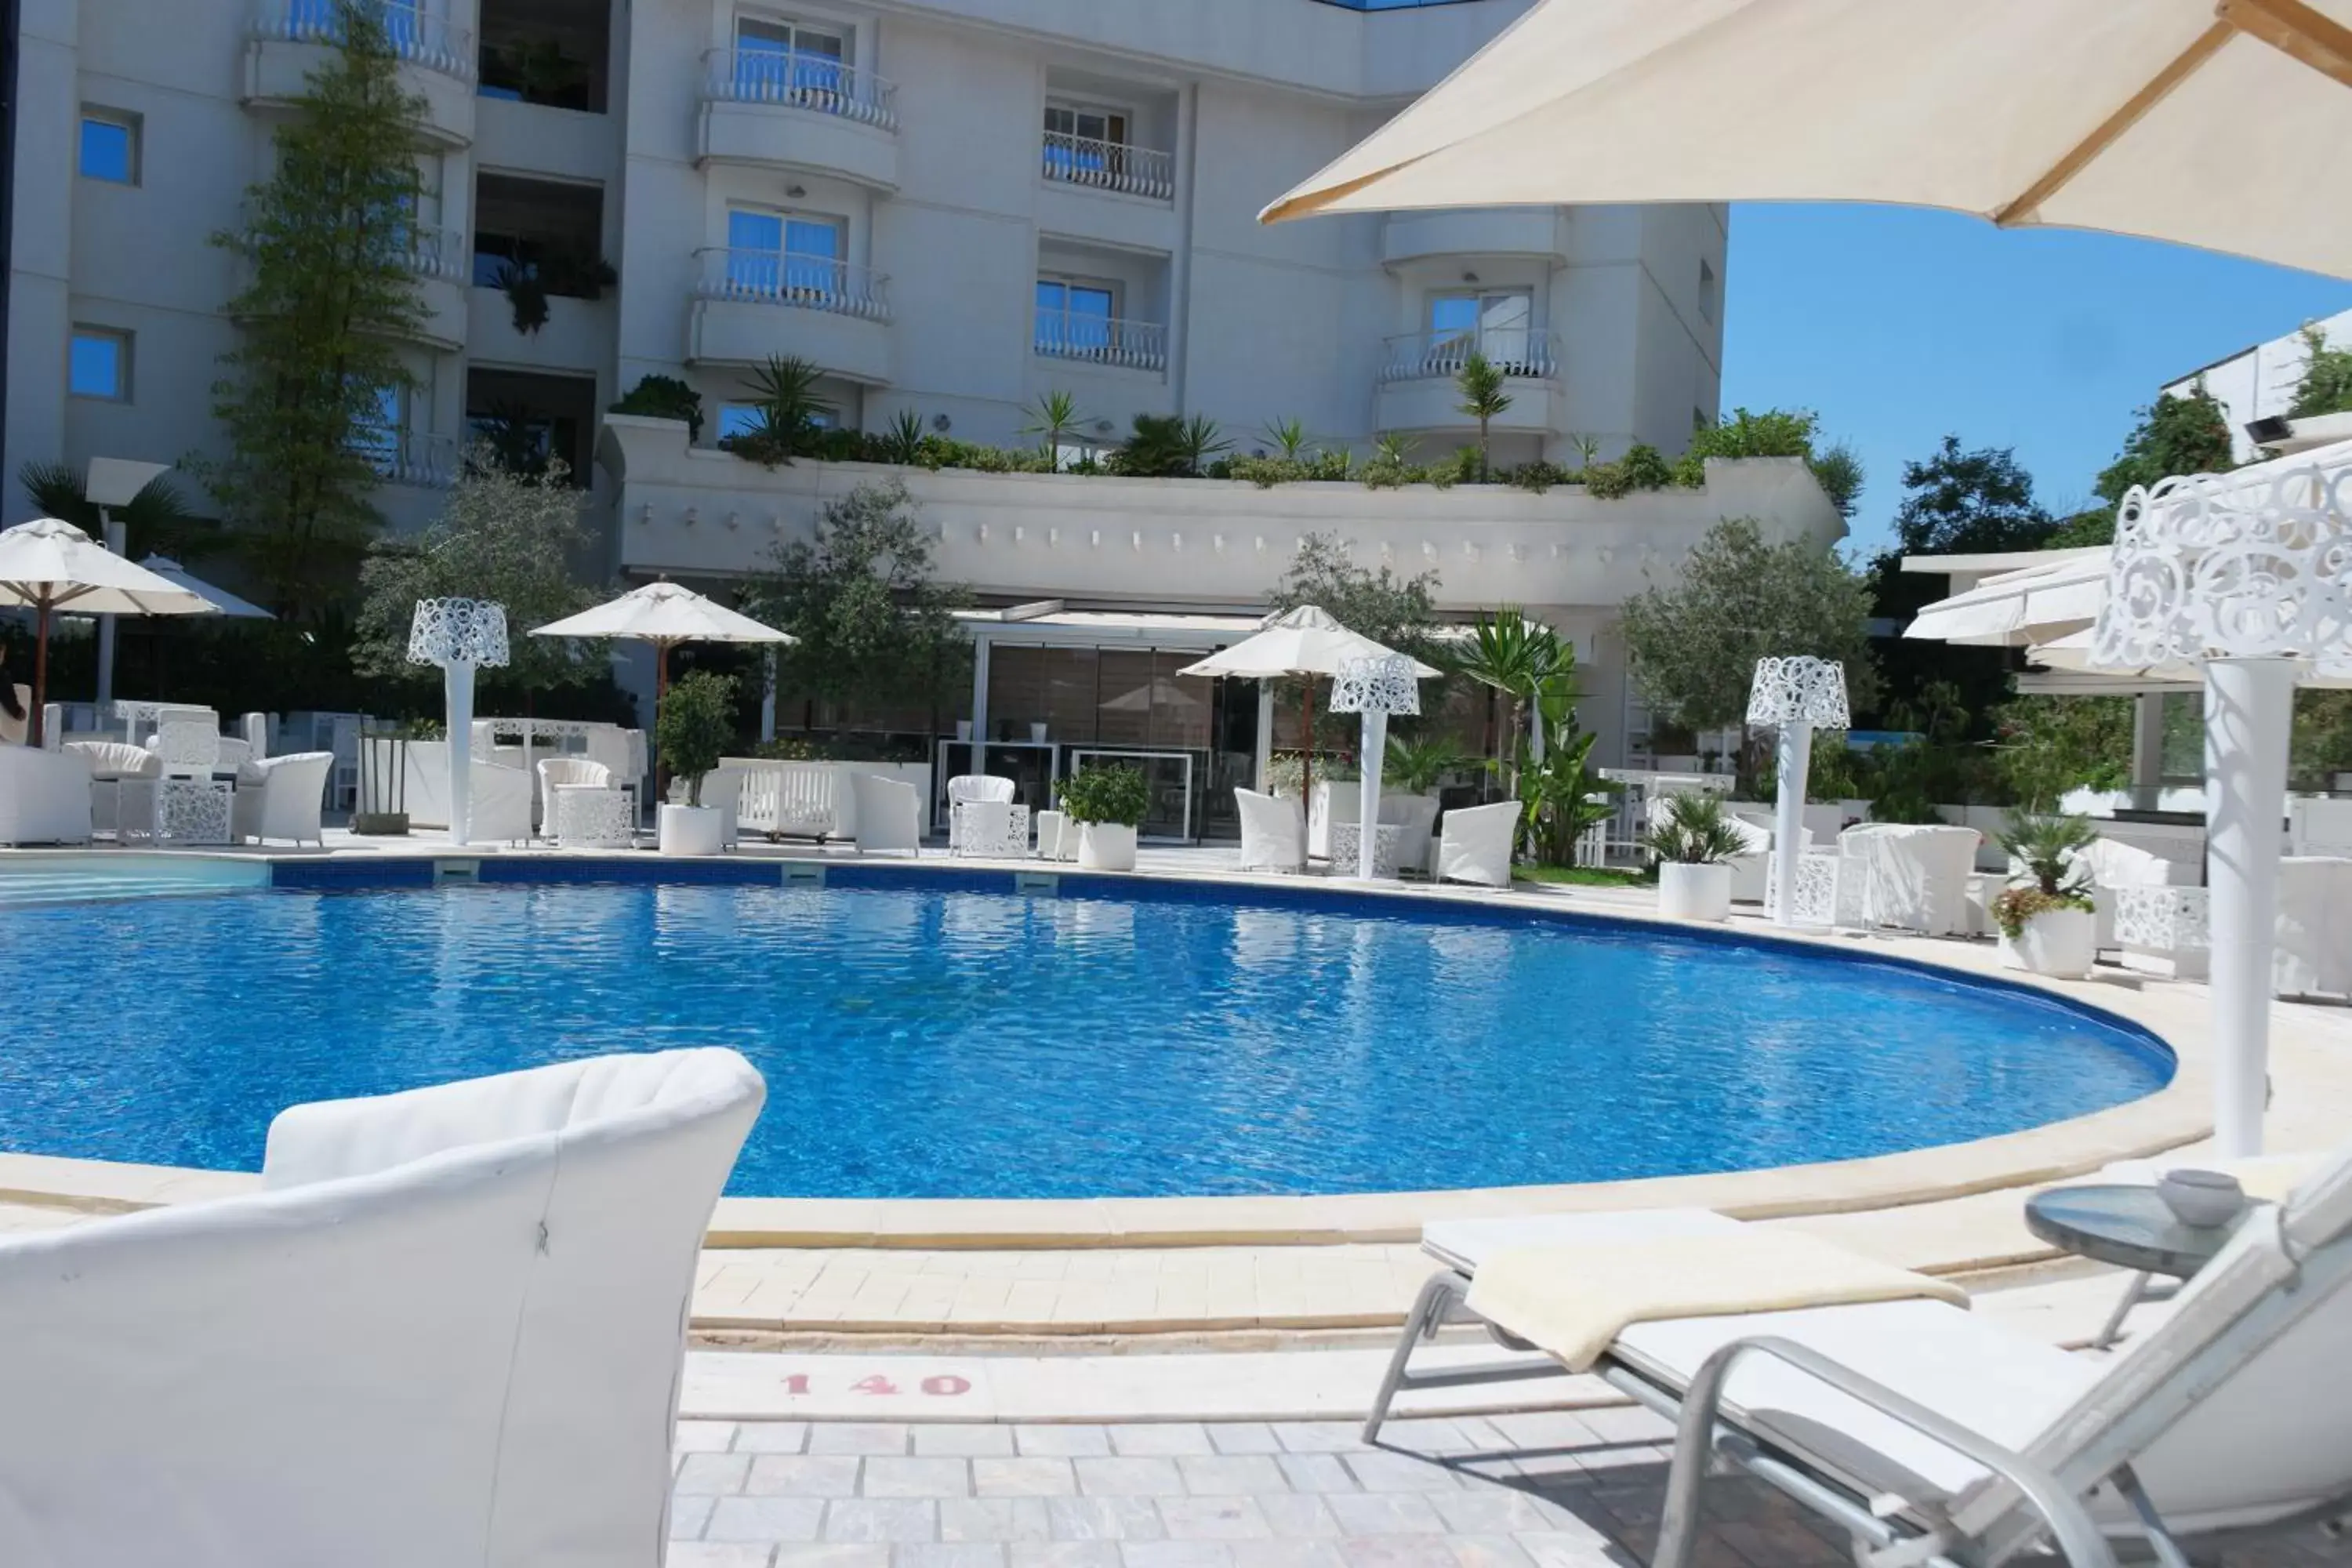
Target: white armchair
[
  {"x": 44, "y": 799},
  {"x": 1273, "y": 836},
  {"x": 1912, "y": 876},
  {"x": 981, "y": 789},
  {"x": 448, "y": 1330},
  {"x": 284, "y": 798},
  {"x": 889, "y": 816},
  {"x": 1474, "y": 843},
  {"x": 122, "y": 785},
  {"x": 580, "y": 806},
  {"x": 1414, "y": 816}
]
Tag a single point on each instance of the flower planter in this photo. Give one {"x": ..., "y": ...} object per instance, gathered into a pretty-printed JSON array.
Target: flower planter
[
  {"x": 2058, "y": 943},
  {"x": 689, "y": 829},
  {"x": 1694, "y": 892},
  {"x": 1106, "y": 847}
]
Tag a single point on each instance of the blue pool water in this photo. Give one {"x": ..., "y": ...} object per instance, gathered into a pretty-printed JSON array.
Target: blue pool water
[{"x": 922, "y": 1043}]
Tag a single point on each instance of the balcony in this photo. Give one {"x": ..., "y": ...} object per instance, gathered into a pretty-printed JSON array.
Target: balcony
[
  {"x": 1417, "y": 373},
  {"x": 1096, "y": 164},
  {"x": 772, "y": 110},
  {"x": 443, "y": 265},
  {"x": 1409, "y": 237},
  {"x": 1103, "y": 341},
  {"x": 754, "y": 305},
  {"x": 290, "y": 40},
  {"x": 415, "y": 458}
]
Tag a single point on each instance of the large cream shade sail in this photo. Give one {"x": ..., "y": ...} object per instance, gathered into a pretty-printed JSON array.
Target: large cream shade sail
[{"x": 2203, "y": 124}]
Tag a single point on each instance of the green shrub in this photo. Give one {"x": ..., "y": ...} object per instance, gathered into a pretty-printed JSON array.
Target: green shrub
[
  {"x": 665, "y": 397},
  {"x": 2013, "y": 907},
  {"x": 1696, "y": 831},
  {"x": 696, "y": 726},
  {"x": 1107, "y": 793}
]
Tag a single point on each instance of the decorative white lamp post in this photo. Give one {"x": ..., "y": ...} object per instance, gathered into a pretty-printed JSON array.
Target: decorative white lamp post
[
  {"x": 1797, "y": 696},
  {"x": 2244, "y": 573},
  {"x": 460, "y": 635},
  {"x": 1375, "y": 688}
]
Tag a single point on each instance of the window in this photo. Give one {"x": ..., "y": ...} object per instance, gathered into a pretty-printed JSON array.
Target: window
[
  {"x": 769, "y": 252},
  {"x": 788, "y": 62},
  {"x": 1087, "y": 123},
  {"x": 1084, "y": 144},
  {"x": 100, "y": 364},
  {"x": 1497, "y": 324},
  {"x": 1075, "y": 315},
  {"x": 1707, "y": 290},
  {"x": 378, "y": 437},
  {"x": 109, "y": 146},
  {"x": 743, "y": 418}
]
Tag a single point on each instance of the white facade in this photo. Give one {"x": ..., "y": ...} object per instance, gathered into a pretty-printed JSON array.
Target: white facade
[
  {"x": 952, "y": 206},
  {"x": 2261, "y": 382}
]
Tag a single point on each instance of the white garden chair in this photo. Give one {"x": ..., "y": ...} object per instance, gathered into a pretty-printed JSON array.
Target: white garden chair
[
  {"x": 583, "y": 810},
  {"x": 1274, "y": 834},
  {"x": 889, "y": 816},
  {"x": 979, "y": 789},
  {"x": 1474, "y": 844},
  {"x": 1414, "y": 816},
  {"x": 122, "y": 785},
  {"x": 448, "y": 1328},
  {"x": 283, "y": 797}
]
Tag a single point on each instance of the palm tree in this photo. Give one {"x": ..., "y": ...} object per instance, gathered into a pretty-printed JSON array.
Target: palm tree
[
  {"x": 157, "y": 517},
  {"x": 784, "y": 390},
  {"x": 1197, "y": 440},
  {"x": 1053, "y": 418},
  {"x": 1287, "y": 438},
  {"x": 1482, "y": 398},
  {"x": 1520, "y": 658}
]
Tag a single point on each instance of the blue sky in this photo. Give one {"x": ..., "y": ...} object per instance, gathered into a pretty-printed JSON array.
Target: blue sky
[{"x": 1899, "y": 325}]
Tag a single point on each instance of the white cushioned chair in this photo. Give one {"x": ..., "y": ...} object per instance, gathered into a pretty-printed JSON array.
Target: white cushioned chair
[
  {"x": 284, "y": 798},
  {"x": 889, "y": 816},
  {"x": 978, "y": 789},
  {"x": 121, "y": 785},
  {"x": 448, "y": 1329},
  {"x": 1474, "y": 844},
  {"x": 1414, "y": 816},
  {"x": 44, "y": 798},
  {"x": 1274, "y": 834}
]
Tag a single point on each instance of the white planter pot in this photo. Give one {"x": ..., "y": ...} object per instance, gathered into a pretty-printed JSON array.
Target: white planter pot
[
  {"x": 1106, "y": 847},
  {"x": 2059, "y": 942},
  {"x": 1687, "y": 892},
  {"x": 689, "y": 829}
]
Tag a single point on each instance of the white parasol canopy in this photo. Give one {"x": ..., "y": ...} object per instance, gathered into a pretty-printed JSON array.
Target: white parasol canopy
[
  {"x": 221, "y": 599},
  {"x": 1305, "y": 641},
  {"x": 665, "y": 614},
  {"x": 46, "y": 565},
  {"x": 2035, "y": 604},
  {"x": 2186, "y": 121}
]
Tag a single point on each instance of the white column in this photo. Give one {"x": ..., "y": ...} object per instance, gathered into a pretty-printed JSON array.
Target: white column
[
  {"x": 1262, "y": 784},
  {"x": 768, "y": 697},
  {"x": 2248, "y": 719},
  {"x": 2148, "y": 747},
  {"x": 457, "y": 688},
  {"x": 1796, "y": 761},
  {"x": 1368, "y": 802},
  {"x": 980, "y": 646},
  {"x": 117, "y": 537}
]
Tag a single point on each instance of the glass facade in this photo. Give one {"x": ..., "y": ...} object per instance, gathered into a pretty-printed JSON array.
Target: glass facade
[{"x": 1194, "y": 740}]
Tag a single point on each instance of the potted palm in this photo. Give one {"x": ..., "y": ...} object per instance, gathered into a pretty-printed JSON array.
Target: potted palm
[
  {"x": 1108, "y": 804},
  {"x": 2044, "y": 916},
  {"x": 694, "y": 729},
  {"x": 1693, "y": 840},
  {"x": 1415, "y": 767}
]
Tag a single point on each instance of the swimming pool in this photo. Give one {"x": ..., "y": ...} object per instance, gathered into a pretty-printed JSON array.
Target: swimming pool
[{"x": 1158, "y": 1039}]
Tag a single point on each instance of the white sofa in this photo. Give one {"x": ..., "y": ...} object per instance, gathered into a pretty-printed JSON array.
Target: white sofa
[
  {"x": 122, "y": 785},
  {"x": 2313, "y": 952},
  {"x": 1474, "y": 844},
  {"x": 450, "y": 1329},
  {"x": 499, "y": 797},
  {"x": 1912, "y": 876},
  {"x": 889, "y": 816},
  {"x": 44, "y": 798}
]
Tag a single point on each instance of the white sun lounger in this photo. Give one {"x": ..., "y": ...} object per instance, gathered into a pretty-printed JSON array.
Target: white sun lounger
[{"x": 1934, "y": 1437}]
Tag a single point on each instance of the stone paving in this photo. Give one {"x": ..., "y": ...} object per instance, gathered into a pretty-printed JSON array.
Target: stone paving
[{"x": 1548, "y": 1490}]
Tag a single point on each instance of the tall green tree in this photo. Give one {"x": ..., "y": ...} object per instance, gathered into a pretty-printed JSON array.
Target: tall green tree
[
  {"x": 875, "y": 626},
  {"x": 1480, "y": 382},
  {"x": 1694, "y": 643},
  {"x": 504, "y": 537},
  {"x": 1520, "y": 658},
  {"x": 1399, "y": 612},
  {"x": 2326, "y": 383},
  {"x": 326, "y": 240},
  {"x": 2180, "y": 432}
]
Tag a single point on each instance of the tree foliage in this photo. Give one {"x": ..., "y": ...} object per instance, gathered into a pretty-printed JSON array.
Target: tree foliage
[
  {"x": 1968, "y": 502},
  {"x": 2327, "y": 384},
  {"x": 326, "y": 240},
  {"x": 1694, "y": 643},
  {"x": 1776, "y": 433},
  {"x": 503, "y": 537},
  {"x": 1396, "y": 611},
  {"x": 1480, "y": 384},
  {"x": 2180, "y": 432},
  {"x": 694, "y": 726},
  {"x": 2048, "y": 745},
  {"x": 874, "y": 627}
]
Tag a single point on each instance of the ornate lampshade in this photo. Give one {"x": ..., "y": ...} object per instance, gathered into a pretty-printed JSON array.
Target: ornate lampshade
[
  {"x": 458, "y": 631},
  {"x": 1799, "y": 690},
  {"x": 1383, "y": 684}
]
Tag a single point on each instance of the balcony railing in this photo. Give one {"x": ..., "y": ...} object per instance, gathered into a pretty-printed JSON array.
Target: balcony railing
[
  {"x": 1521, "y": 351},
  {"x": 804, "y": 282},
  {"x": 1102, "y": 340},
  {"x": 412, "y": 457},
  {"x": 812, "y": 82},
  {"x": 440, "y": 253},
  {"x": 417, "y": 35},
  {"x": 1109, "y": 166}
]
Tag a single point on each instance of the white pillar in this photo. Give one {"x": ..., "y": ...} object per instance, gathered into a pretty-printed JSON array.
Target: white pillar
[
  {"x": 768, "y": 697},
  {"x": 117, "y": 537},
  {"x": 1368, "y": 803},
  {"x": 2248, "y": 719},
  {"x": 2147, "y": 748},
  {"x": 458, "y": 689},
  {"x": 1796, "y": 761},
  {"x": 1262, "y": 782}
]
